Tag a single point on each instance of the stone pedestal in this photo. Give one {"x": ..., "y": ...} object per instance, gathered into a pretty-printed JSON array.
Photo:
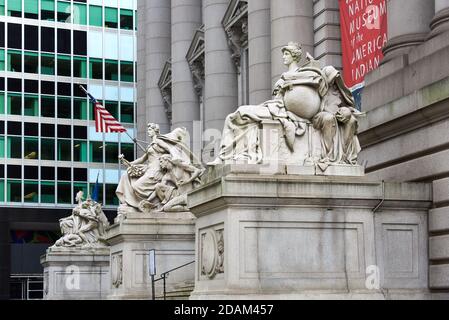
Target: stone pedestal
[
  {"x": 76, "y": 274},
  {"x": 170, "y": 234},
  {"x": 292, "y": 236}
]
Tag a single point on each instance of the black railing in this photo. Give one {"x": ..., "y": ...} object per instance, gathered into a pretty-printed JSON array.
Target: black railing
[{"x": 165, "y": 275}]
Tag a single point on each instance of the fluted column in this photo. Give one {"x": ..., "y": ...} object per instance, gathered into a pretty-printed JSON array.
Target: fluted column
[
  {"x": 220, "y": 94},
  {"x": 408, "y": 25},
  {"x": 186, "y": 19},
  {"x": 440, "y": 22},
  {"x": 141, "y": 76},
  {"x": 291, "y": 20},
  {"x": 158, "y": 43},
  {"x": 259, "y": 43}
]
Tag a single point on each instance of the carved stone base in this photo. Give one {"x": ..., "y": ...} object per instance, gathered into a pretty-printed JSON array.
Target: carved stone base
[
  {"x": 131, "y": 238},
  {"x": 291, "y": 236},
  {"x": 76, "y": 274}
]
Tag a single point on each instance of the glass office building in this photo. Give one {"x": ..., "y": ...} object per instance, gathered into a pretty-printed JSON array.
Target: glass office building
[{"x": 49, "y": 148}]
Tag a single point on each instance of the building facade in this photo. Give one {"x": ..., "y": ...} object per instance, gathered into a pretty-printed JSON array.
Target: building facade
[
  {"x": 204, "y": 58},
  {"x": 49, "y": 148}
]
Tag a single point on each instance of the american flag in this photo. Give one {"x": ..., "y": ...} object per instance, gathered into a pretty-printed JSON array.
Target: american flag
[{"x": 104, "y": 121}]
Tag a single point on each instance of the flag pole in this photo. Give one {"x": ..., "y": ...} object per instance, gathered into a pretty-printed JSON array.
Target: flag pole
[{"x": 133, "y": 139}]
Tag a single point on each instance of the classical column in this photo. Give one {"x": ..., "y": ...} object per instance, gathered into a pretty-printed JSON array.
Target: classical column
[
  {"x": 259, "y": 43},
  {"x": 220, "y": 94},
  {"x": 291, "y": 20},
  {"x": 158, "y": 50},
  {"x": 186, "y": 19},
  {"x": 408, "y": 25},
  {"x": 440, "y": 22},
  {"x": 141, "y": 76},
  {"x": 5, "y": 258}
]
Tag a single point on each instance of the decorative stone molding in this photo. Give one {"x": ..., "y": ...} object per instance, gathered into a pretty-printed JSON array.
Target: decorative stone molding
[
  {"x": 212, "y": 253},
  {"x": 165, "y": 86},
  {"x": 235, "y": 23},
  {"x": 117, "y": 270},
  {"x": 195, "y": 59}
]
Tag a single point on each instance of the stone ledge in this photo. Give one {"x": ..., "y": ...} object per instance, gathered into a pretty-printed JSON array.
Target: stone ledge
[
  {"x": 439, "y": 220},
  {"x": 439, "y": 248}
]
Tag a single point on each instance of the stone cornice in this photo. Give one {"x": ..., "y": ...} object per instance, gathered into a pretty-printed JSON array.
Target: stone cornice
[{"x": 195, "y": 59}]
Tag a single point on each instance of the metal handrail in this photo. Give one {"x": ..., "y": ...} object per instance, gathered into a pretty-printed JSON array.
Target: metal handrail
[{"x": 165, "y": 274}]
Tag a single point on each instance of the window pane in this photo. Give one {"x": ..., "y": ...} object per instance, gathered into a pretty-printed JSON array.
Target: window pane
[
  {"x": 111, "y": 17},
  {"x": 100, "y": 191},
  {"x": 96, "y": 69},
  {"x": 31, "y": 9},
  {"x": 79, "y": 67},
  {"x": 64, "y": 192},
  {"x": 48, "y": 10},
  {"x": 79, "y": 151},
  {"x": 126, "y": 70},
  {"x": 31, "y": 191},
  {"x": 31, "y": 62},
  {"x": 111, "y": 70},
  {"x": 2, "y": 60},
  {"x": 14, "y": 147},
  {"x": 126, "y": 19},
  {"x": 111, "y": 197},
  {"x": 31, "y": 38},
  {"x": 14, "y": 8},
  {"x": 64, "y": 150},
  {"x": 64, "y": 66},
  {"x": 47, "y": 192},
  {"x": 47, "y": 149},
  {"x": 80, "y": 109},
  {"x": 79, "y": 13},
  {"x": 2, "y": 147},
  {"x": 48, "y": 106},
  {"x": 14, "y": 36},
  {"x": 2, "y": 102},
  {"x": 31, "y": 147},
  {"x": 95, "y": 16},
  {"x": 2, "y": 13},
  {"x": 31, "y": 106},
  {"x": 96, "y": 152},
  {"x": 48, "y": 42},
  {"x": 48, "y": 64},
  {"x": 14, "y": 191},
  {"x": 2, "y": 190},
  {"x": 64, "y": 10},
  {"x": 126, "y": 112},
  {"x": 77, "y": 187},
  {"x": 127, "y": 149},
  {"x": 14, "y": 61},
  {"x": 111, "y": 152},
  {"x": 64, "y": 108},
  {"x": 14, "y": 104}
]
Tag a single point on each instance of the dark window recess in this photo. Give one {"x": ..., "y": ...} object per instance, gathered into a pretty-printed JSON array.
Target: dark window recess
[
  {"x": 2, "y": 170},
  {"x": 79, "y": 132},
  {"x": 80, "y": 43},
  {"x": 47, "y": 87},
  {"x": 31, "y": 172},
  {"x": 14, "y": 172},
  {"x": 65, "y": 174},
  {"x": 80, "y": 174},
  {"x": 64, "y": 41},
  {"x": 2, "y": 34},
  {"x": 31, "y": 86},
  {"x": 31, "y": 129},
  {"x": 2, "y": 84},
  {"x": 15, "y": 128},
  {"x": 14, "y": 85},
  {"x": 2, "y": 127},
  {"x": 64, "y": 89},
  {"x": 47, "y": 39},
  {"x": 47, "y": 173},
  {"x": 77, "y": 92},
  {"x": 14, "y": 36},
  {"x": 31, "y": 38},
  {"x": 64, "y": 131},
  {"x": 47, "y": 130}
]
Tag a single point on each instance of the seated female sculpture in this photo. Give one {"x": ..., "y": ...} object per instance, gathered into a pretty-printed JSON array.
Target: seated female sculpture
[
  {"x": 145, "y": 173},
  {"x": 240, "y": 139}
]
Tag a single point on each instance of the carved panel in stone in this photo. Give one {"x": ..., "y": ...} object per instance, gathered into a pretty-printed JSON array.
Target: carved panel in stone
[
  {"x": 117, "y": 270},
  {"x": 195, "y": 59},
  {"x": 165, "y": 85},
  {"x": 212, "y": 253}
]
